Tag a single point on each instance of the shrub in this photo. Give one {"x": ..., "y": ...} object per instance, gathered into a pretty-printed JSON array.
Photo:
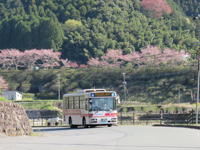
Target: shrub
[
  {"x": 125, "y": 109},
  {"x": 28, "y": 96},
  {"x": 3, "y": 99}
]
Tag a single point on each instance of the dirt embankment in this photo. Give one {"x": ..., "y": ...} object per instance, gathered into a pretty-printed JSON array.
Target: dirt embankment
[{"x": 14, "y": 120}]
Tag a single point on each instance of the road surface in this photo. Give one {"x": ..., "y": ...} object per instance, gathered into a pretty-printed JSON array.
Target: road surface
[{"x": 105, "y": 138}]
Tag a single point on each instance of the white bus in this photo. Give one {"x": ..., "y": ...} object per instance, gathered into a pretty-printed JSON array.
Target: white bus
[{"x": 90, "y": 107}]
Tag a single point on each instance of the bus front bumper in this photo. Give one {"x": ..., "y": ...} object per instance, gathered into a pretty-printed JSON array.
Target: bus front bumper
[{"x": 103, "y": 120}]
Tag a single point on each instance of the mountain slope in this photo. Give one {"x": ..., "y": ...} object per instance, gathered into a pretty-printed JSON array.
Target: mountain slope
[{"x": 82, "y": 29}]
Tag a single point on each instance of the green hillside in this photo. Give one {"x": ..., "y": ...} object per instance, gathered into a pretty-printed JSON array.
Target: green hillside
[
  {"x": 82, "y": 29},
  {"x": 147, "y": 84},
  {"x": 85, "y": 29}
]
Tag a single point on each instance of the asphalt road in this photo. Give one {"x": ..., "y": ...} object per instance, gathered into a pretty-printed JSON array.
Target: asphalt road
[{"x": 105, "y": 138}]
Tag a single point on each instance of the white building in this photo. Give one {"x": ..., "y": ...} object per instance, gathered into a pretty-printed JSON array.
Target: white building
[
  {"x": 12, "y": 95},
  {"x": 185, "y": 57}
]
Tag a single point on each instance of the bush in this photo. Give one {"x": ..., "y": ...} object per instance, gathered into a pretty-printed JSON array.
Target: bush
[
  {"x": 125, "y": 109},
  {"x": 3, "y": 99},
  {"x": 28, "y": 96}
]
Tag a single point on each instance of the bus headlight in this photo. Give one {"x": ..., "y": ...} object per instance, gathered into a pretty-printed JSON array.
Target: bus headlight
[
  {"x": 93, "y": 120},
  {"x": 113, "y": 119}
]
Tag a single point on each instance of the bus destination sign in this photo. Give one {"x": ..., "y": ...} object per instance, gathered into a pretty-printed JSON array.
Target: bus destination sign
[{"x": 102, "y": 94}]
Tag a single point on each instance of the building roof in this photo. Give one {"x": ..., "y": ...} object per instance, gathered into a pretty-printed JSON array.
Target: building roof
[{"x": 12, "y": 91}]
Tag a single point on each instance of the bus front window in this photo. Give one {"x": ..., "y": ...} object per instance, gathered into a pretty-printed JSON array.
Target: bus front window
[{"x": 102, "y": 104}]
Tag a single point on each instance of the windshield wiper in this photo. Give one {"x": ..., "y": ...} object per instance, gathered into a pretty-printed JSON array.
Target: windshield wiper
[{"x": 98, "y": 109}]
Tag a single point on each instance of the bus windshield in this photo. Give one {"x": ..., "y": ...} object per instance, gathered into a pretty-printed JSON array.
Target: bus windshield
[{"x": 102, "y": 104}]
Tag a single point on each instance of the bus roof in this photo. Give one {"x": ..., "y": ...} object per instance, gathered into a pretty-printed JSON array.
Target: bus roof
[
  {"x": 86, "y": 92},
  {"x": 90, "y": 90}
]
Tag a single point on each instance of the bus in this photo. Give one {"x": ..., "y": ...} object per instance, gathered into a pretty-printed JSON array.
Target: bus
[{"x": 90, "y": 107}]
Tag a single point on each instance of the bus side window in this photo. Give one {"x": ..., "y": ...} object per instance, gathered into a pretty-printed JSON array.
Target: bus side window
[
  {"x": 86, "y": 104},
  {"x": 82, "y": 102},
  {"x": 71, "y": 103},
  {"x": 66, "y": 103},
  {"x": 76, "y": 102}
]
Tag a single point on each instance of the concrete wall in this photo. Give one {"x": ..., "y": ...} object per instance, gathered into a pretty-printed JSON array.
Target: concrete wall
[{"x": 36, "y": 114}]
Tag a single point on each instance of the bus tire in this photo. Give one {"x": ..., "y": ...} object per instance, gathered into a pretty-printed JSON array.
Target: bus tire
[
  {"x": 109, "y": 125},
  {"x": 70, "y": 123},
  {"x": 84, "y": 123}
]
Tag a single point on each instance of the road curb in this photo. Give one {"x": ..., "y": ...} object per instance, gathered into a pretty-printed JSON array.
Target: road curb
[
  {"x": 182, "y": 126},
  {"x": 48, "y": 126}
]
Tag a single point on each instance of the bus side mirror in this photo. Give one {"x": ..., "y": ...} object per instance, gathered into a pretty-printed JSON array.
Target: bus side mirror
[{"x": 118, "y": 99}]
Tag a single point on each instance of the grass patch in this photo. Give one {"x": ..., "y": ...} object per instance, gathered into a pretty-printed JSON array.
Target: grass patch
[
  {"x": 39, "y": 105},
  {"x": 3, "y": 99},
  {"x": 38, "y": 133}
]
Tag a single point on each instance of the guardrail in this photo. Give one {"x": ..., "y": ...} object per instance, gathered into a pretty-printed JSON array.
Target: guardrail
[
  {"x": 146, "y": 118},
  {"x": 132, "y": 118},
  {"x": 45, "y": 121}
]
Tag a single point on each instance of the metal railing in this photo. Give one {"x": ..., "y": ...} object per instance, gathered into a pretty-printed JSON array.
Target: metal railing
[
  {"x": 44, "y": 121},
  {"x": 146, "y": 118}
]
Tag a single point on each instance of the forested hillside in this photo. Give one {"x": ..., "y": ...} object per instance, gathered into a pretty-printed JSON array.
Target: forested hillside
[
  {"x": 97, "y": 40},
  {"x": 153, "y": 85},
  {"x": 83, "y": 29}
]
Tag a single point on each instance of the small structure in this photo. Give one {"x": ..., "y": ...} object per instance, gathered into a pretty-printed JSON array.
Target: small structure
[
  {"x": 12, "y": 95},
  {"x": 185, "y": 57},
  {"x": 35, "y": 68}
]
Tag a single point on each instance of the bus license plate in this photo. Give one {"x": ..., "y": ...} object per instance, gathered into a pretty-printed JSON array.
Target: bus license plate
[{"x": 104, "y": 121}]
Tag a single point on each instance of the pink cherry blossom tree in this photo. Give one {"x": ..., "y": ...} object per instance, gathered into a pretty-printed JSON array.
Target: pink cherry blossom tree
[
  {"x": 111, "y": 59},
  {"x": 83, "y": 66},
  {"x": 94, "y": 62},
  {"x": 66, "y": 62},
  {"x": 30, "y": 57},
  {"x": 11, "y": 57},
  {"x": 133, "y": 58},
  {"x": 6, "y": 63},
  {"x": 3, "y": 84},
  {"x": 74, "y": 65},
  {"x": 112, "y": 56},
  {"x": 152, "y": 56},
  {"x": 158, "y": 7},
  {"x": 48, "y": 57}
]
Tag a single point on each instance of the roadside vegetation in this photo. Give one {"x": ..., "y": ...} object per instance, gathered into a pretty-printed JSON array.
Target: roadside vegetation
[
  {"x": 147, "y": 84},
  {"x": 91, "y": 43},
  {"x": 3, "y": 99}
]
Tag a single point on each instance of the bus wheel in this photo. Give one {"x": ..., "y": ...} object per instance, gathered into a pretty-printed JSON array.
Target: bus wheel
[
  {"x": 56, "y": 123},
  {"x": 49, "y": 124},
  {"x": 84, "y": 123},
  {"x": 109, "y": 125},
  {"x": 70, "y": 123}
]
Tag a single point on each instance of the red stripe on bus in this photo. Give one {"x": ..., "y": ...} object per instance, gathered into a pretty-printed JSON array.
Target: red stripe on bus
[
  {"x": 78, "y": 112},
  {"x": 102, "y": 116},
  {"x": 71, "y": 110}
]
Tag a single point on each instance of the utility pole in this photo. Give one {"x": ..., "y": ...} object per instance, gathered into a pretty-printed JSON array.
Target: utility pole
[
  {"x": 195, "y": 18},
  {"x": 197, "y": 104},
  {"x": 197, "y": 94},
  {"x": 124, "y": 83},
  {"x": 58, "y": 87},
  {"x": 179, "y": 95}
]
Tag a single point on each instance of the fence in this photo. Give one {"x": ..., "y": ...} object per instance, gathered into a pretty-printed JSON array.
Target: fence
[
  {"x": 131, "y": 118},
  {"x": 44, "y": 121},
  {"x": 146, "y": 118}
]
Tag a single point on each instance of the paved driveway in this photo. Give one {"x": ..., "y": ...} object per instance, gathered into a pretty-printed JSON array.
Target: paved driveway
[{"x": 105, "y": 138}]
